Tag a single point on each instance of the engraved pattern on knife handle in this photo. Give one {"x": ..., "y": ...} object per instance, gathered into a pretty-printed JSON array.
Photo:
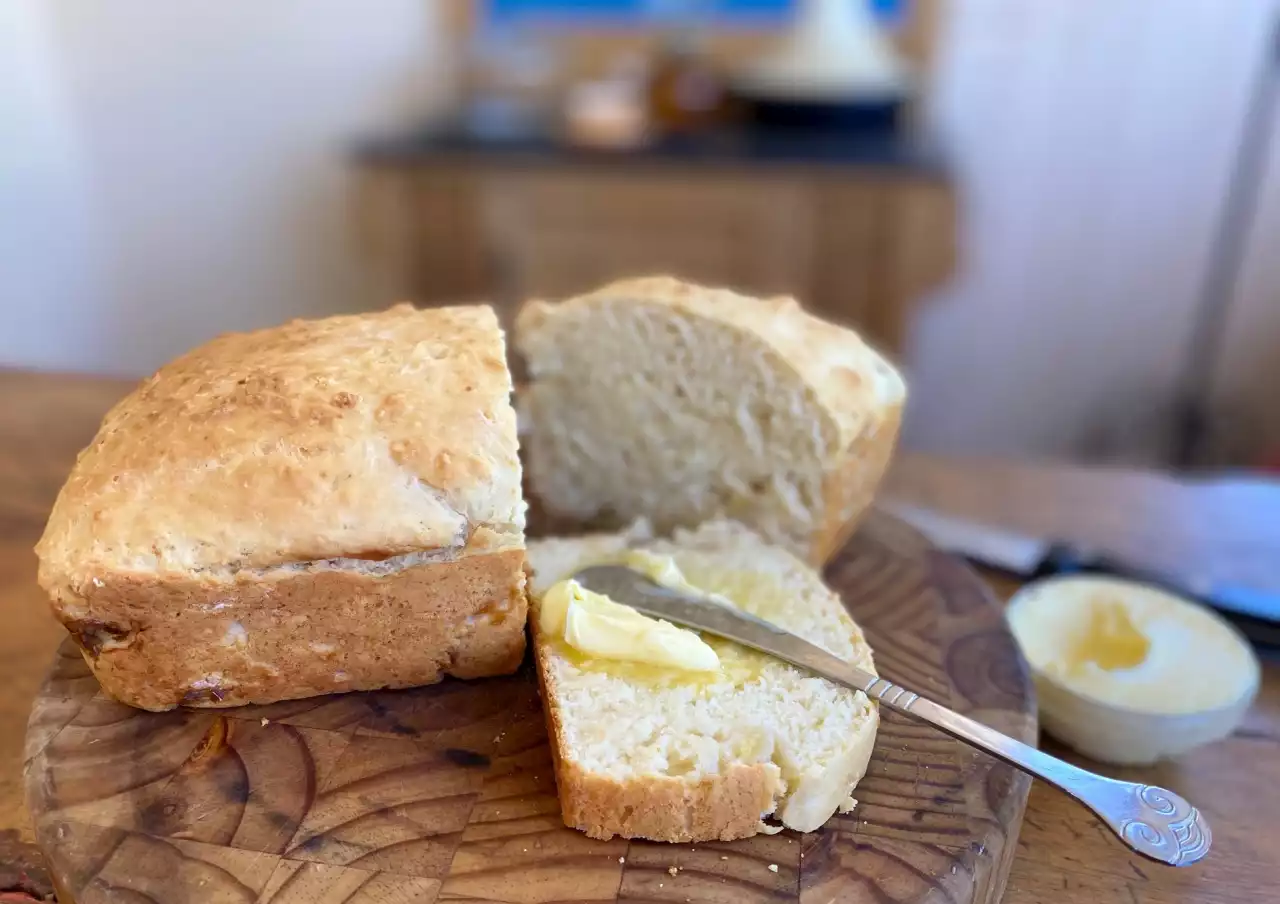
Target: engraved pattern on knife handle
[
  {"x": 1163, "y": 825},
  {"x": 1153, "y": 821},
  {"x": 892, "y": 695}
]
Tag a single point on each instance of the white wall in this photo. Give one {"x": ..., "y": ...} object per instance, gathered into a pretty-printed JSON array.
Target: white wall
[
  {"x": 1093, "y": 142},
  {"x": 173, "y": 170},
  {"x": 1246, "y": 388},
  {"x": 50, "y": 261}
]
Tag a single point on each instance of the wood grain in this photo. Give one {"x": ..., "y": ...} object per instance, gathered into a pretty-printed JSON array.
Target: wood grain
[
  {"x": 858, "y": 244},
  {"x": 1063, "y": 856},
  {"x": 45, "y": 420},
  {"x": 447, "y": 793}
]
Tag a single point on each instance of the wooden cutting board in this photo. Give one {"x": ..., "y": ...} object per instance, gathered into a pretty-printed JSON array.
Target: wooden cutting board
[{"x": 446, "y": 793}]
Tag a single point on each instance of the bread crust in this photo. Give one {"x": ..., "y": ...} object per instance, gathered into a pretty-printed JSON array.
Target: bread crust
[
  {"x": 362, "y": 436},
  {"x": 160, "y": 643},
  {"x": 323, "y": 506},
  {"x": 850, "y": 486},
  {"x": 723, "y": 807}
]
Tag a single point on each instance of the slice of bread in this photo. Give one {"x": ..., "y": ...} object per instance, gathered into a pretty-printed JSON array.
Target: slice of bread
[
  {"x": 667, "y": 755},
  {"x": 656, "y": 399}
]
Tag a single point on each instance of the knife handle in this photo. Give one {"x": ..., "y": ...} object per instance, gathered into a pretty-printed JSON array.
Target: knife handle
[
  {"x": 1153, "y": 821},
  {"x": 1256, "y": 614}
]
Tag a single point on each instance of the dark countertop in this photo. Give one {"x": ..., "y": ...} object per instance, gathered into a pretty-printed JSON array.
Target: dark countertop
[{"x": 730, "y": 146}]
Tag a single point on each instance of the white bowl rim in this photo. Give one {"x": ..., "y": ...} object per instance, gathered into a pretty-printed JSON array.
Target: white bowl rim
[{"x": 1245, "y": 698}]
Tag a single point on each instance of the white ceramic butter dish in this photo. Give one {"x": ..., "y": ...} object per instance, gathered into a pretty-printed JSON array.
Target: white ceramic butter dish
[{"x": 1130, "y": 674}]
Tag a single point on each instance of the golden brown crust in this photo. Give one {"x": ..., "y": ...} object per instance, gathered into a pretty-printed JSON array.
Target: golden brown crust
[
  {"x": 722, "y": 807},
  {"x": 156, "y": 644},
  {"x": 849, "y": 488},
  {"x": 362, "y": 436}
]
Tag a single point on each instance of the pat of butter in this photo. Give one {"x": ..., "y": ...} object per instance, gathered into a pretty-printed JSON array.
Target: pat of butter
[{"x": 596, "y": 626}]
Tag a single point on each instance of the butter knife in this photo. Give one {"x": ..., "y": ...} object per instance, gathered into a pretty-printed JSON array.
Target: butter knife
[{"x": 1155, "y": 822}]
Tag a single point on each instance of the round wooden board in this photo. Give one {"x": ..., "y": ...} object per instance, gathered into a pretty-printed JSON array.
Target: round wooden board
[{"x": 446, "y": 793}]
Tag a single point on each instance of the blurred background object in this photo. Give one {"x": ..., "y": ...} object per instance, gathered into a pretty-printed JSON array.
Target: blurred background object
[
  {"x": 1108, "y": 172},
  {"x": 724, "y": 157},
  {"x": 835, "y": 67},
  {"x": 508, "y": 84}
]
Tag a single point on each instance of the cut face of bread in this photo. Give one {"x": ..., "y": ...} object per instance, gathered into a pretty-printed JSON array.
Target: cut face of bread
[
  {"x": 670, "y": 755},
  {"x": 660, "y": 400},
  {"x": 323, "y": 506}
]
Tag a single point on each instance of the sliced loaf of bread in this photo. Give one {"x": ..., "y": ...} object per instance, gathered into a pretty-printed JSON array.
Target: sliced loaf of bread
[
  {"x": 669, "y": 755},
  {"x": 657, "y": 399}
]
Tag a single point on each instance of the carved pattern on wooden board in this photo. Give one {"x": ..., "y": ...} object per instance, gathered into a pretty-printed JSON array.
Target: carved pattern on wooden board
[{"x": 446, "y": 793}]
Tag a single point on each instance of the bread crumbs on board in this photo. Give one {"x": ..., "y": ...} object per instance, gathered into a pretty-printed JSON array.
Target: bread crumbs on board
[{"x": 773, "y": 867}]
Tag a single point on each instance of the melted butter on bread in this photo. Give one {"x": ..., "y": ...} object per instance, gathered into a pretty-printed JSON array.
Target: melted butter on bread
[
  {"x": 664, "y": 570},
  {"x": 597, "y": 627}
]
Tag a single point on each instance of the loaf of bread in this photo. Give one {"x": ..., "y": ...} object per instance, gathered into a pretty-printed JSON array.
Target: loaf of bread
[
  {"x": 669, "y": 756},
  {"x": 325, "y": 506},
  {"x": 656, "y": 399}
]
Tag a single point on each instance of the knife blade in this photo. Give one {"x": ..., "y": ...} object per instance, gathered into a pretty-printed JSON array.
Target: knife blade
[{"x": 1255, "y": 611}]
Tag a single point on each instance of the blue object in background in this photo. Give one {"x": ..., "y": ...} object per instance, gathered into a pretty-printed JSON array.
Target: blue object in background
[
  {"x": 501, "y": 12},
  {"x": 634, "y": 11}
]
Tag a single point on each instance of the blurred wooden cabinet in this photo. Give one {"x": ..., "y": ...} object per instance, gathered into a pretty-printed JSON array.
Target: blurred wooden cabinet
[{"x": 856, "y": 246}]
